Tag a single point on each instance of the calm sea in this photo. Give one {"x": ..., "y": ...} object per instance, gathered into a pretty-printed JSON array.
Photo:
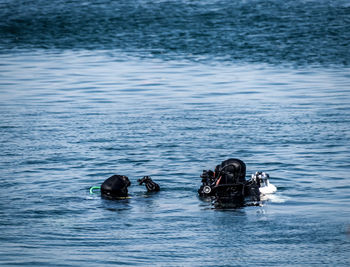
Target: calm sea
[{"x": 89, "y": 89}]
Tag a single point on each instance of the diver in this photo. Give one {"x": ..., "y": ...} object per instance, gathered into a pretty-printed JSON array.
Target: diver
[
  {"x": 227, "y": 184},
  {"x": 116, "y": 186}
]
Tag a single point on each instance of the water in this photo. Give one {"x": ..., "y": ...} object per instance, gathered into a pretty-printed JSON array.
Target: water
[
  {"x": 277, "y": 32},
  {"x": 167, "y": 89}
]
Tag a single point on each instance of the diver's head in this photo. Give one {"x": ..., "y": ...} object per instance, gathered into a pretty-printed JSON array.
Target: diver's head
[
  {"x": 115, "y": 186},
  {"x": 232, "y": 170}
]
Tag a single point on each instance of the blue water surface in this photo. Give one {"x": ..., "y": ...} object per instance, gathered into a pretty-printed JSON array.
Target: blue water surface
[{"x": 89, "y": 89}]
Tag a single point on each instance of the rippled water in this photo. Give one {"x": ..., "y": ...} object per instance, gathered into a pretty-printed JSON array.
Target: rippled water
[
  {"x": 279, "y": 32},
  {"x": 95, "y": 88}
]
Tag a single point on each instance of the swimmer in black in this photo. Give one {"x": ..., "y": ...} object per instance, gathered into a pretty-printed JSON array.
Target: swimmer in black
[
  {"x": 116, "y": 186},
  {"x": 228, "y": 184}
]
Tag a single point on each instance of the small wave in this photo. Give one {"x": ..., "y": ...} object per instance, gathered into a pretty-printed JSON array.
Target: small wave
[
  {"x": 269, "y": 31},
  {"x": 275, "y": 198}
]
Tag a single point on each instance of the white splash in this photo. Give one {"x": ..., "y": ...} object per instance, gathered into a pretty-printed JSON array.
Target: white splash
[
  {"x": 274, "y": 198},
  {"x": 267, "y": 188}
]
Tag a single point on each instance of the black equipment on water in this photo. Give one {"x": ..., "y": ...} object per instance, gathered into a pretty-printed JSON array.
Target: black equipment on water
[
  {"x": 149, "y": 183},
  {"x": 115, "y": 186},
  {"x": 228, "y": 183}
]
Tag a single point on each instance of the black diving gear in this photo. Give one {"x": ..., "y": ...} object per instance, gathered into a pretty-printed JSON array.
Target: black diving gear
[
  {"x": 115, "y": 187},
  {"x": 149, "y": 183},
  {"x": 228, "y": 183}
]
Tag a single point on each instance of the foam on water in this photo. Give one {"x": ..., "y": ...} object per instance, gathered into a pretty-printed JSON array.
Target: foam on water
[{"x": 274, "y": 198}]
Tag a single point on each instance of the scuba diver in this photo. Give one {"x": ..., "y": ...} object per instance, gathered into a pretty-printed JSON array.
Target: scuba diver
[
  {"x": 116, "y": 186},
  {"x": 227, "y": 184}
]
